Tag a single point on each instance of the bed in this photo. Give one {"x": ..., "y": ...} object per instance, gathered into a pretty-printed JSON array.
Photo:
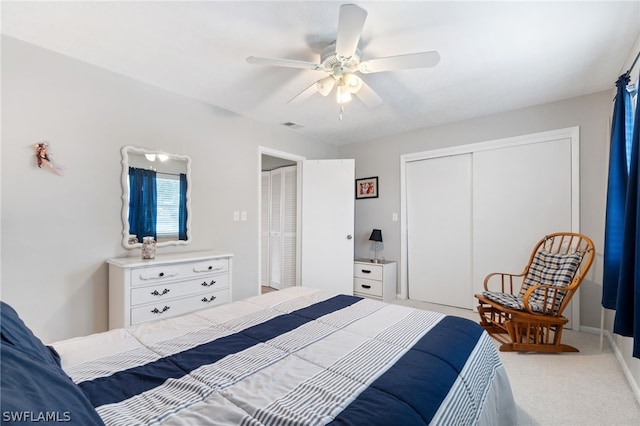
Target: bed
[{"x": 298, "y": 356}]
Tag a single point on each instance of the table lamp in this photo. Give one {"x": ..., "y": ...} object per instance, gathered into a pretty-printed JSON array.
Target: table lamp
[{"x": 376, "y": 237}]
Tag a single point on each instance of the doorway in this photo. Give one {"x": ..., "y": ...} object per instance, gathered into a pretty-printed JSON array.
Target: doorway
[
  {"x": 325, "y": 234},
  {"x": 279, "y": 220}
]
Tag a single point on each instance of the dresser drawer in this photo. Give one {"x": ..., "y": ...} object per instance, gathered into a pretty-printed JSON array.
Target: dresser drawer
[
  {"x": 177, "y": 271},
  {"x": 213, "y": 266},
  {"x": 174, "y": 307},
  {"x": 370, "y": 272},
  {"x": 161, "y": 292},
  {"x": 368, "y": 287}
]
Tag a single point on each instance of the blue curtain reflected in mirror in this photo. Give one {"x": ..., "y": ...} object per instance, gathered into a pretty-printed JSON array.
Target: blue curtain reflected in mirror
[
  {"x": 142, "y": 203},
  {"x": 147, "y": 192},
  {"x": 182, "y": 218}
]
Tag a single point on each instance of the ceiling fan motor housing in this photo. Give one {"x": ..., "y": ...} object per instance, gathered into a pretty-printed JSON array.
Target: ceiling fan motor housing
[{"x": 337, "y": 66}]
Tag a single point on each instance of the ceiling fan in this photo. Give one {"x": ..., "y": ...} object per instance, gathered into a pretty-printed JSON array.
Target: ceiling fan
[{"x": 342, "y": 60}]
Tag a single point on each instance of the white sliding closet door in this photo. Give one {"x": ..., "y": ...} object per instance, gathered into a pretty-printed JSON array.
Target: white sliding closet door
[
  {"x": 521, "y": 193},
  {"x": 477, "y": 209},
  {"x": 439, "y": 230}
]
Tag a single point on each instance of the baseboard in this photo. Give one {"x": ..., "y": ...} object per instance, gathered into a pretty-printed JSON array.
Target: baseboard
[{"x": 625, "y": 369}]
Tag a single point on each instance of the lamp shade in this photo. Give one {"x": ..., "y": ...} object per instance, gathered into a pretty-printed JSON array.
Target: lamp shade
[{"x": 376, "y": 235}]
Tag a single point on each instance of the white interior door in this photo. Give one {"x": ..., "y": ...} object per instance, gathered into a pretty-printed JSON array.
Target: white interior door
[
  {"x": 327, "y": 224},
  {"x": 439, "y": 230}
]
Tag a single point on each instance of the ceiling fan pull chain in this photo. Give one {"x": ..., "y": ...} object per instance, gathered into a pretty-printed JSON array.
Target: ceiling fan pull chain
[{"x": 341, "y": 111}]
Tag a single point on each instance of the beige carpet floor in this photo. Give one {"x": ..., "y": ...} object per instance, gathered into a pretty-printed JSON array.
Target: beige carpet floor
[{"x": 581, "y": 389}]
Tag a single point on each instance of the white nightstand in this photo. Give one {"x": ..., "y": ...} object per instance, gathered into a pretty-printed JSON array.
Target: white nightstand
[{"x": 375, "y": 280}]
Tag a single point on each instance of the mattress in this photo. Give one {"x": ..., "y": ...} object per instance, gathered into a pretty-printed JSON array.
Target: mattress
[{"x": 298, "y": 356}]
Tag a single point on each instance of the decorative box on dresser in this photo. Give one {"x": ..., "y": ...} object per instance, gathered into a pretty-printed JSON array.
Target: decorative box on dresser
[
  {"x": 167, "y": 286},
  {"x": 375, "y": 280}
]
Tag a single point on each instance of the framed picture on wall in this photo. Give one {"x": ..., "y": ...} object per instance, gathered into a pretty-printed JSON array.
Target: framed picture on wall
[{"x": 367, "y": 188}]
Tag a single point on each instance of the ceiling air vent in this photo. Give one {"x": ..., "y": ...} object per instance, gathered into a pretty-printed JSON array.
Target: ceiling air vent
[{"x": 291, "y": 125}]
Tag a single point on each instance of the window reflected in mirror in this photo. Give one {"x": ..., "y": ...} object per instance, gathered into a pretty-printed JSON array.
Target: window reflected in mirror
[{"x": 156, "y": 197}]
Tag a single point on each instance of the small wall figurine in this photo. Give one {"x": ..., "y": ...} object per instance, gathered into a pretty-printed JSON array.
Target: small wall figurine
[{"x": 42, "y": 157}]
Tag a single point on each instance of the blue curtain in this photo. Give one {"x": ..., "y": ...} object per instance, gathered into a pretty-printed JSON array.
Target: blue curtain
[
  {"x": 616, "y": 195},
  {"x": 182, "y": 214},
  {"x": 142, "y": 203},
  {"x": 627, "y": 319}
]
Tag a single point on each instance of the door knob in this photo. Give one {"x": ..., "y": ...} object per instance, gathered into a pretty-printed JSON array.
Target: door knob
[{"x": 349, "y": 237}]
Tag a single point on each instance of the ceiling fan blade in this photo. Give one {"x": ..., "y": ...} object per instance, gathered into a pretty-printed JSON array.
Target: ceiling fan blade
[
  {"x": 368, "y": 96},
  {"x": 350, "y": 25},
  {"x": 400, "y": 62},
  {"x": 305, "y": 94},
  {"x": 287, "y": 63}
]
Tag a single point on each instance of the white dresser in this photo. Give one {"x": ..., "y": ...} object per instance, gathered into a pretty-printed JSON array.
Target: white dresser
[
  {"x": 375, "y": 280},
  {"x": 167, "y": 286}
]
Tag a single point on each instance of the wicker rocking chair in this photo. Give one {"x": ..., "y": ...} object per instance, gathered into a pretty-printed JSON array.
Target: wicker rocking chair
[{"x": 524, "y": 311}]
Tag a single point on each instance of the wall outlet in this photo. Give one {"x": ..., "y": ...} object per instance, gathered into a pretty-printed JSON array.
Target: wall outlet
[
  {"x": 236, "y": 216},
  {"x": 394, "y": 217},
  {"x": 243, "y": 216}
]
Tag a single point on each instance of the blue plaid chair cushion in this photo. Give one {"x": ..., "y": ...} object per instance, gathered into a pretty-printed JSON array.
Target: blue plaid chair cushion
[{"x": 551, "y": 269}]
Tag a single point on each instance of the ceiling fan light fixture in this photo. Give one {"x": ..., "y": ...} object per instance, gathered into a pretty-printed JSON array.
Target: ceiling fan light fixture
[
  {"x": 325, "y": 85},
  {"x": 353, "y": 82},
  {"x": 343, "y": 95}
]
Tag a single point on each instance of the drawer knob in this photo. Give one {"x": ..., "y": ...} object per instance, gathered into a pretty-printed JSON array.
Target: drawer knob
[
  {"x": 211, "y": 299},
  {"x": 161, "y": 274},
  {"x": 366, "y": 271},
  {"x": 206, "y": 284},
  {"x": 365, "y": 286},
  {"x": 157, "y": 293},
  {"x": 210, "y": 267},
  {"x": 157, "y": 311}
]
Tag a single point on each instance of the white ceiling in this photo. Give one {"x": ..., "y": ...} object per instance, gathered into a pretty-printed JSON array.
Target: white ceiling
[{"x": 495, "y": 56}]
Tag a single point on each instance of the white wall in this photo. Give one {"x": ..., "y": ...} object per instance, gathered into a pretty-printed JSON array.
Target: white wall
[{"x": 57, "y": 231}]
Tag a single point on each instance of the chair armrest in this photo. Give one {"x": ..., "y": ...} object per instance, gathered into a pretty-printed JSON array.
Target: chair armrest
[
  {"x": 552, "y": 301},
  {"x": 506, "y": 281}
]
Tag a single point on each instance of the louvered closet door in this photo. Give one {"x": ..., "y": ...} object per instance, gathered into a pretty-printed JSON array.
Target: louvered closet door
[
  {"x": 264, "y": 226},
  {"x": 275, "y": 230},
  {"x": 279, "y": 224},
  {"x": 289, "y": 225}
]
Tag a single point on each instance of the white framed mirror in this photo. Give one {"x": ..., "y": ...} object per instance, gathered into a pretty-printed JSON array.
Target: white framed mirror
[{"x": 156, "y": 197}]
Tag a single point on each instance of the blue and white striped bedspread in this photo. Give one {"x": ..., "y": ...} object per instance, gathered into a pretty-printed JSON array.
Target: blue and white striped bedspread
[{"x": 294, "y": 357}]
